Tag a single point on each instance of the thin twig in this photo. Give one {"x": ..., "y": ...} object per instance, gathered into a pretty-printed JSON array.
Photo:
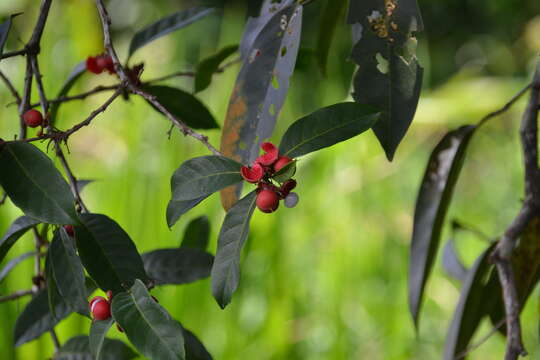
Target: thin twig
[
  {"x": 11, "y": 88},
  {"x": 480, "y": 342},
  {"x": 16, "y": 295},
  {"x": 13, "y": 53},
  {"x": 506, "y": 106}
]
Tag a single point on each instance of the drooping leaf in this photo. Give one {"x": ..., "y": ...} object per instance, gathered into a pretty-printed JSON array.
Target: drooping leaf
[
  {"x": 197, "y": 233},
  {"x": 148, "y": 325},
  {"x": 233, "y": 235},
  {"x": 209, "y": 66},
  {"x": 14, "y": 233},
  {"x": 184, "y": 106},
  {"x": 96, "y": 338},
  {"x": 167, "y": 25},
  {"x": 177, "y": 266},
  {"x": 108, "y": 253},
  {"x": 451, "y": 262},
  {"x": 330, "y": 17},
  {"x": 203, "y": 176},
  {"x": 261, "y": 85},
  {"x": 195, "y": 349},
  {"x": 4, "y": 31},
  {"x": 326, "y": 127},
  {"x": 68, "y": 271},
  {"x": 78, "y": 348},
  {"x": 432, "y": 203},
  {"x": 13, "y": 263},
  {"x": 175, "y": 209},
  {"x": 34, "y": 185},
  {"x": 75, "y": 74}
]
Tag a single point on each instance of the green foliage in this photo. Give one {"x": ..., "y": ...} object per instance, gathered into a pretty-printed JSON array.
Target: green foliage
[
  {"x": 78, "y": 348},
  {"x": 97, "y": 337},
  {"x": 14, "y": 233},
  {"x": 207, "y": 67},
  {"x": 197, "y": 233}
]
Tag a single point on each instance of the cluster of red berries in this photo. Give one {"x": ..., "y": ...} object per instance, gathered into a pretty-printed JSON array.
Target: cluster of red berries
[
  {"x": 262, "y": 171},
  {"x": 98, "y": 64},
  {"x": 33, "y": 118}
]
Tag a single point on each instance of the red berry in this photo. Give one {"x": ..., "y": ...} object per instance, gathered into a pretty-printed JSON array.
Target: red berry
[
  {"x": 252, "y": 174},
  {"x": 267, "y": 201},
  {"x": 287, "y": 187},
  {"x": 272, "y": 154},
  {"x": 100, "y": 308},
  {"x": 92, "y": 65},
  {"x": 69, "y": 229},
  {"x": 281, "y": 162},
  {"x": 33, "y": 118},
  {"x": 105, "y": 62}
]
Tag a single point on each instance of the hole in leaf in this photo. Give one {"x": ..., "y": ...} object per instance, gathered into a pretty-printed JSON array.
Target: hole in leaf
[
  {"x": 275, "y": 82},
  {"x": 382, "y": 63},
  {"x": 284, "y": 51},
  {"x": 272, "y": 109},
  {"x": 242, "y": 145}
]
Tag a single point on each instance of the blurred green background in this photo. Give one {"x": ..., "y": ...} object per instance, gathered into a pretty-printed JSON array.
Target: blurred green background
[{"x": 328, "y": 279}]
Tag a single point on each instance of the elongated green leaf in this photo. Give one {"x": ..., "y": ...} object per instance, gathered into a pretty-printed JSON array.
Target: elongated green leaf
[
  {"x": 330, "y": 17},
  {"x": 474, "y": 302},
  {"x": 75, "y": 74},
  {"x": 96, "y": 338},
  {"x": 53, "y": 296},
  {"x": 108, "y": 254},
  {"x": 184, "y": 106},
  {"x": 451, "y": 262},
  {"x": 197, "y": 233},
  {"x": 15, "y": 231},
  {"x": 68, "y": 271},
  {"x": 148, "y": 325},
  {"x": 33, "y": 184},
  {"x": 432, "y": 203},
  {"x": 13, "y": 263},
  {"x": 167, "y": 25},
  {"x": 209, "y": 66},
  {"x": 4, "y": 31},
  {"x": 177, "y": 266},
  {"x": 203, "y": 176},
  {"x": 78, "y": 348},
  {"x": 261, "y": 85},
  {"x": 233, "y": 235},
  {"x": 195, "y": 349},
  {"x": 175, "y": 209},
  {"x": 326, "y": 127}
]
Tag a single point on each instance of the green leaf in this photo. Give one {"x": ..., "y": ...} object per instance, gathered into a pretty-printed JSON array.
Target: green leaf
[
  {"x": 175, "y": 209},
  {"x": 68, "y": 271},
  {"x": 285, "y": 173},
  {"x": 167, "y": 25},
  {"x": 209, "y": 66},
  {"x": 148, "y": 325},
  {"x": 452, "y": 264},
  {"x": 203, "y": 176},
  {"x": 195, "y": 349},
  {"x": 432, "y": 203},
  {"x": 14, "y": 233},
  {"x": 330, "y": 17},
  {"x": 34, "y": 185},
  {"x": 233, "y": 235},
  {"x": 262, "y": 84},
  {"x": 197, "y": 233},
  {"x": 13, "y": 263},
  {"x": 75, "y": 74},
  {"x": 96, "y": 338},
  {"x": 78, "y": 348},
  {"x": 177, "y": 266},
  {"x": 108, "y": 253},
  {"x": 4, "y": 31},
  {"x": 326, "y": 127},
  {"x": 53, "y": 296},
  {"x": 184, "y": 106},
  {"x": 81, "y": 184}
]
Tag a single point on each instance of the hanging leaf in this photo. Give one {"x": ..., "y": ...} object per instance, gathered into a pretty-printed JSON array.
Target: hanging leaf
[
  {"x": 167, "y": 25},
  {"x": 184, "y": 106},
  {"x": 261, "y": 86},
  {"x": 195, "y": 349},
  {"x": 209, "y": 66},
  {"x": 326, "y": 127},
  {"x": 14, "y": 233},
  {"x": 451, "y": 262},
  {"x": 75, "y": 74},
  {"x": 13, "y": 263},
  {"x": 203, "y": 176},
  {"x": 148, "y": 325},
  {"x": 197, "y": 233},
  {"x": 175, "y": 209},
  {"x": 108, "y": 253},
  {"x": 78, "y": 348},
  {"x": 34, "y": 185},
  {"x": 330, "y": 17},
  {"x": 68, "y": 271},
  {"x": 233, "y": 235},
  {"x": 432, "y": 203},
  {"x": 96, "y": 338},
  {"x": 4, "y": 31},
  {"x": 177, "y": 266}
]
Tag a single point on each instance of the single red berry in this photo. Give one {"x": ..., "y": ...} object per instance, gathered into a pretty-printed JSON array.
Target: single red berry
[
  {"x": 33, "y": 118},
  {"x": 100, "y": 308},
  {"x": 69, "y": 229},
  {"x": 281, "y": 162},
  {"x": 267, "y": 201},
  {"x": 272, "y": 154},
  {"x": 252, "y": 174},
  {"x": 105, "y": 62},
  {"x": 93, "y": 66},
  {"x": 287, "y": 187}
]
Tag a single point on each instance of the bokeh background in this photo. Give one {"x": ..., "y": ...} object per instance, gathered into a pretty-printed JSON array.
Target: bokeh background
[{"x": 328, "y": 279}]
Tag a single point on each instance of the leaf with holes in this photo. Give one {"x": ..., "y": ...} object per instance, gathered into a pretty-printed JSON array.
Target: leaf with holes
[
  {"x": 209, "y": 66},
  {"x": 175, "y": 209},
  {"x": 14, "y": 233},
  {"x": 432, "y": 203},
  {"x": 167, "y": 25},
  {"x": 34, "y": 185},
  {"x": 184, "y": 106},
  {"x": 233, "y": 235},
  {"x": 261, "y": 87},
  {"x": 108, "y": 253},
  {"x": 75, "y": 74},
  {"x": 326, "y": 127},
  {"x": 97, "y": 339},
  {"x": 78, "y": 348},
  {"x": 197, "y": 233},
  {"x": 148, "y": 325}
]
